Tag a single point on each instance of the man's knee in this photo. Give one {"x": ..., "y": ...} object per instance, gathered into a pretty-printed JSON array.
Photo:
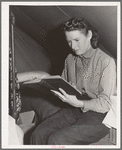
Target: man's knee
[
  {"x": 37, "y": 137},
  {"x": 56, "y": 139}
]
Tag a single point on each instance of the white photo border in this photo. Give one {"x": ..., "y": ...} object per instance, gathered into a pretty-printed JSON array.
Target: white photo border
[{"x": 5, "y": 70}]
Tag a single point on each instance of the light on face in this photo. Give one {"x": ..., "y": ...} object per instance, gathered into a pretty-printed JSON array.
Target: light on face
[{"x": 77, "y": 41}]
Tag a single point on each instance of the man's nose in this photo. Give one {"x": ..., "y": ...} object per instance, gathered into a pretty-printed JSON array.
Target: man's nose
[{"x": 74, "y": 45}]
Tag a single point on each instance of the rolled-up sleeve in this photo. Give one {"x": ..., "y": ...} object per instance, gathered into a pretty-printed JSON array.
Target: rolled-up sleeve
[{"x": 106, "y": 88}]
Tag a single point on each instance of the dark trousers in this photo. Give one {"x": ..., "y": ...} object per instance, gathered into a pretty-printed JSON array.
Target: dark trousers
[{"x": 69, "y": 126}]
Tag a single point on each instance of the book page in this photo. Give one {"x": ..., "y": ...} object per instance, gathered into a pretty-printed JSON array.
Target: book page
[{"x": 36, "y": 80}]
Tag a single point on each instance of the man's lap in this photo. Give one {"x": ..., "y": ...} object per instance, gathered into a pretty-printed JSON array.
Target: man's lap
[
  {"x": 43, "y": 104},
  {"x": 65, "y": 128}
]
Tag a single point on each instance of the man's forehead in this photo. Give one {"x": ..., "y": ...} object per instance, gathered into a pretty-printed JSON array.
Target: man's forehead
[{"x": 74, "y": 34}]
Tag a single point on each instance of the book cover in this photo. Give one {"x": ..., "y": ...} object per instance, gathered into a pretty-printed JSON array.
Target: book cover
[{"x": 54, "y": 83}]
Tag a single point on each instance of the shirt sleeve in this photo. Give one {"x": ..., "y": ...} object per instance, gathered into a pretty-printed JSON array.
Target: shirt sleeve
[
  {"x": 107, "y": 87},
  {"x": 64, "y": 75},
  {"x": 64, "y": 72}
]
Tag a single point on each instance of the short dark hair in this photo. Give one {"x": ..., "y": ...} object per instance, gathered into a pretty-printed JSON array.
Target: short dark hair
[{"x": 82, "y": 24}]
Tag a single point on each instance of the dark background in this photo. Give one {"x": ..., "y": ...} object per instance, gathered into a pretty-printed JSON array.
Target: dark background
[{"x": 42, "y": 24}]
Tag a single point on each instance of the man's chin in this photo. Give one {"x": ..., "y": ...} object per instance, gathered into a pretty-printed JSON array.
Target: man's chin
[{"x": 78, "y": 53}]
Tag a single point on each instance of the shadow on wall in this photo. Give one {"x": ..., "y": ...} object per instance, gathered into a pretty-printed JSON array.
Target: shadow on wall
[{"x": 57, "y": 48}]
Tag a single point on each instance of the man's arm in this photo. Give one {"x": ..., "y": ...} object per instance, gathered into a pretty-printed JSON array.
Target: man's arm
[{"x": 107, "y": 87}]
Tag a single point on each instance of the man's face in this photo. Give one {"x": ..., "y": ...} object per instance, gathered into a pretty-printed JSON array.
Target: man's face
[{"x": 78, "y": 42}]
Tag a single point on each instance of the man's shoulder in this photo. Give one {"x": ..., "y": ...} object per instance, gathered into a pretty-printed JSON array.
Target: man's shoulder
[
  {"x": 104, "y": 57},
  {"x": 70, "y": 57}
]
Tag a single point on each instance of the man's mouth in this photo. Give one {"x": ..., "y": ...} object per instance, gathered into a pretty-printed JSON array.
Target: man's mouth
[{"x": 76, "y": 50}]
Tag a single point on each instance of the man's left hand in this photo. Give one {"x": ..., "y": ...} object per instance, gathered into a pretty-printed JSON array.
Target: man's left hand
[{"x": 70, "y": 99}]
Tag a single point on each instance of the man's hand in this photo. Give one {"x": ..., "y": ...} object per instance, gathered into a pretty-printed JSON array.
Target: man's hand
[{"x": 70, "y": 99}]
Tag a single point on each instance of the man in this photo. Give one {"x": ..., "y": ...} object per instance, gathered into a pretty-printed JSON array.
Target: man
[{"x": 93, "y": 72}]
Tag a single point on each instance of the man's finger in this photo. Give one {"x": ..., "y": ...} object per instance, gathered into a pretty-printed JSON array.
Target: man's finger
[
  {"x": 59, "y": 94},
  {"x": 63, "y": 92},
  {"x": 56, "y": 92}
]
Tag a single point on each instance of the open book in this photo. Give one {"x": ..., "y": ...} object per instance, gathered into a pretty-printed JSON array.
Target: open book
[{"x": 54, "y": 83}]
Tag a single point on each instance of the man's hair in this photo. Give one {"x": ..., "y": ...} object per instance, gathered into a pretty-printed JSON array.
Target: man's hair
[{"x": 84, "y": 26}]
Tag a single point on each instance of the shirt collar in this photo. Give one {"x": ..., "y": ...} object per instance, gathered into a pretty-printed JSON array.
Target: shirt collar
[{"x": 89, "y": 53}]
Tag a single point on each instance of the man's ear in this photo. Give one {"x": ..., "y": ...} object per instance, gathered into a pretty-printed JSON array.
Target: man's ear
[{"x": 89, "y": 34}]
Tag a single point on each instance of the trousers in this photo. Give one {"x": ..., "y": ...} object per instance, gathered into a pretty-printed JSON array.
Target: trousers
[{"x": 70, "y": 126}]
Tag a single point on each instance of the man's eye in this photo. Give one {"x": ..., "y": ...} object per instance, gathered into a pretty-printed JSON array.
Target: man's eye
[{"x": 76, "y": 40}]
